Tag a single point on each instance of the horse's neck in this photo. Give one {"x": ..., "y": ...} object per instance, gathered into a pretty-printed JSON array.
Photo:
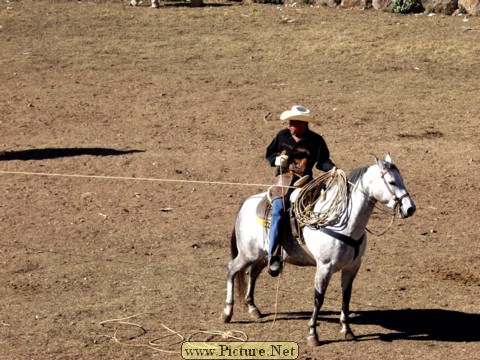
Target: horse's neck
[{"x": 359, "y": 209}]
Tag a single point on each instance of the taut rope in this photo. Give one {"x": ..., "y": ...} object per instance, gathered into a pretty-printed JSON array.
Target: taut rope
[{"x": 105, "y": 177}]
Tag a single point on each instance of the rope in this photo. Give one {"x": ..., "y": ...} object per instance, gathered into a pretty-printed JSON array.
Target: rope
[
  {"x": 152, "y": 344},
  {"x": 235, "y": 335},
  {"x": 303, "y": 205},
  {"x": 276, "y": 302},
  {"x": 224, "y": 335},
  {"x": 129, "y": 178},
  {"x": 389, "y": 225},
  {"x": 378, "y": 207},
  {"x": 315, "y": 192}
]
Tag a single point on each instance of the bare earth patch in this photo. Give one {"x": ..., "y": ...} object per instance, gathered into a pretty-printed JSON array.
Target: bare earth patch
[{"x": 148, "y": 107}]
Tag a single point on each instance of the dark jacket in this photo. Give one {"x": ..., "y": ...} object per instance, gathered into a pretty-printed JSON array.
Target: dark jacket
[{"x": 302, "y": 155}]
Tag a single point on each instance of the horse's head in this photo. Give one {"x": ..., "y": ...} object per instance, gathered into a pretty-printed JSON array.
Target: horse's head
[{"x": 390, "y": 189}]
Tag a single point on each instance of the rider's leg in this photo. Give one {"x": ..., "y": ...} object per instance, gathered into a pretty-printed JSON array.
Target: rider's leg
[{"x": 276, "y": 227}]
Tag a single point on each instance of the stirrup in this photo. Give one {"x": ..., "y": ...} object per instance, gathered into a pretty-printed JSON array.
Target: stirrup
[{"x": 274, "y": 266}]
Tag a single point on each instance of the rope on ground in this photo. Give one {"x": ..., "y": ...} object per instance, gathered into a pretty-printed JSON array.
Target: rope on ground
[
  {"x": 333, "y": 182},
  {"x": 224, "y": 335},
  {"x": 152, "y": 344},
  {"x": 123, "y": 323}
]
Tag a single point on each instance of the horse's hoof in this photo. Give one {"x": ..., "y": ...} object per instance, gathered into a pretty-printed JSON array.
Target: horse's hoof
[
  {"x": 255, "y": 313},
  {"x": 350, "y": 336},
  {"x": 313, "y": 341},
  {"x": 226, "y": 318}
]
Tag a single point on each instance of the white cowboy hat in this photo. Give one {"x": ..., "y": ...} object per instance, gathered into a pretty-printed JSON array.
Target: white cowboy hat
[{"x": 298, "y": 112}]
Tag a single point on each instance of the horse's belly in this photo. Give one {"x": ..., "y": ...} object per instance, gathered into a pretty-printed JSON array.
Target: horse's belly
[{"x": 297, "y": 254}]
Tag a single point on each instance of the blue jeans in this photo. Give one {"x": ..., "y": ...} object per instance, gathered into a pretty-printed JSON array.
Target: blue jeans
[{"x": 277, "y": 223}]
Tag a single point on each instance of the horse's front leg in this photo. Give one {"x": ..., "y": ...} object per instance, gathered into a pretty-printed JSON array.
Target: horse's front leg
[
  {"x": 347, "y": 281},
  {"x": 322, "y": 278},
  {"x": 255, "y": 271}
]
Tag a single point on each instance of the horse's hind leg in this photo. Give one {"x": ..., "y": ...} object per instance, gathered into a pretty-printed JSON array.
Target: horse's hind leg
[
  {"x": 322, "y": 278},
  {"x": 347, "y": 281},
  {"x": 255, "y": 271},
  {"x": 236, "y": 269}
]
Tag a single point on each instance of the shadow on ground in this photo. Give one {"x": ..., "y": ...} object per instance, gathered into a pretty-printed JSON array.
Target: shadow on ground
[
  {"x": 423, "y": 324},
  {"x": 406, "y": 324},
  {"x": 54, "y": 153}
]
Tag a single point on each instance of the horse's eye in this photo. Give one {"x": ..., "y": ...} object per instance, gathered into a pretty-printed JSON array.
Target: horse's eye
[{"x": 392, "y": 183}]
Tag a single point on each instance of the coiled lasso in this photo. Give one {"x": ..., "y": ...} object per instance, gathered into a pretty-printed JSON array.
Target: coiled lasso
[{"x": 333, "y": 184}]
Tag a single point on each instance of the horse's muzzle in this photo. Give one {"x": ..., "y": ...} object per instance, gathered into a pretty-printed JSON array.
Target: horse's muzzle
[
  {"x": 406, "y": 208},
  {"x": 411, "y": 210}
]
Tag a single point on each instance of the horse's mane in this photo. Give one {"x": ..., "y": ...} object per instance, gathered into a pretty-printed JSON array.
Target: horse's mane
[{"x": 356, "y": 174}]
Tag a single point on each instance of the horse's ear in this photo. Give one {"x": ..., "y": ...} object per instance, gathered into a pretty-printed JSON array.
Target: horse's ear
[
  {"x": 388, "y": 158},
  {"x": 379, "y": 162}
]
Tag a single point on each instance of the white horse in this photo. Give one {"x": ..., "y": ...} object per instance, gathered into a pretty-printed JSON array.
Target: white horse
[
  {"x": 336, "y": 247},
  {"x": 155, "y": 3}
]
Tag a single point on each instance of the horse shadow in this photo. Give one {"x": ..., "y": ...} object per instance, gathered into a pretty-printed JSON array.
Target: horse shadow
[
  {"x": 405, "y": 324},
  {"x": 422, "y": 324},
  {"x": 54, "y": 153}
]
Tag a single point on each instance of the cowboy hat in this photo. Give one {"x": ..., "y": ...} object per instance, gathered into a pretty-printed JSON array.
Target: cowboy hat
[{"x": 300, "y": 113}]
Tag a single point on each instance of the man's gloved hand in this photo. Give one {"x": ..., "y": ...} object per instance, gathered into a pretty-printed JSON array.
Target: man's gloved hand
[
  {"x": 334, "y": 172},
  {"x": 281, "y": 161}
]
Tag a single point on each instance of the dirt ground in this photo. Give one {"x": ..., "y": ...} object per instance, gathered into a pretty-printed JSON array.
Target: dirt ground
[{"x": 161, "y": 119}]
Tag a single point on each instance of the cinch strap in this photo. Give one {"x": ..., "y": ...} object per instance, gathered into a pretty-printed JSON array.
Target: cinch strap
[{"x": 346, "y": 239}]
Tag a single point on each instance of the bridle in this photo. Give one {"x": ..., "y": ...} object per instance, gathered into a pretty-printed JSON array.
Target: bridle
[{"x": 397, "y": 199}]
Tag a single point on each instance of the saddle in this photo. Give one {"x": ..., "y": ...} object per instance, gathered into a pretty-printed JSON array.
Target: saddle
[{"x": 264, "y": 215}]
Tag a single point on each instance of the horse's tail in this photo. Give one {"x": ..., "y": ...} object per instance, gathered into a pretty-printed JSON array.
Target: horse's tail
[{"x": 239, "y": 277}]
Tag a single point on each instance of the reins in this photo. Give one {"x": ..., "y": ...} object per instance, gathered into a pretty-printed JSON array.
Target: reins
[
  {"x": 389, "y": 225},
  {"x": 397, "y": 204}
]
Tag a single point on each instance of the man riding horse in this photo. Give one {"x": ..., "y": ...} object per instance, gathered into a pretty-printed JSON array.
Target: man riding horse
[{"x": 294, "y": 152}]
